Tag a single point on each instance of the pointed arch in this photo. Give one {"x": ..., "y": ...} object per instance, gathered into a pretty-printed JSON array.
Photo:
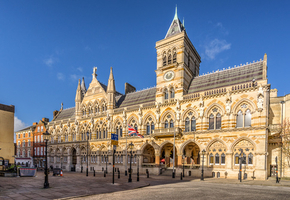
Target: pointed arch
[
  {"x": 166, "y": 112},
  {"x": 183, "y": 145},
  {"x": 241, "y": 139},
  {"x": 214, "y": 141},
  {"x": 215, "y": 105},
  {"x": 147, "y": 115},
  {"x": 240, "y": 102},
  {"x": 195, "y": 113}
]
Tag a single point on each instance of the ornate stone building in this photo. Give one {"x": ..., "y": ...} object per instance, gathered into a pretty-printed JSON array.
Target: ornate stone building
[{"x": 222, "y": 113}]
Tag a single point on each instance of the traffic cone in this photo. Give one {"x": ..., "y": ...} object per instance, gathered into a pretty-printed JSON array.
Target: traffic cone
[{"x": 61, "y": 173}]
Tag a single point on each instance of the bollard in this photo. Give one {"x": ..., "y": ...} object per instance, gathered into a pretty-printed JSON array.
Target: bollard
[
  {"x": 160, "y": 171},
  {"x": 94, "y": 173},
  {"x": 125, "y": 172},
  {"x": 82, "y": 169},
  {"x": 104, "y": 173},
  {"x": 118, "y": 174},
  {"x": 189, "y": 173},
  {"x": 102, "y": 169},
  {"x": 137, "y": 176},
  {"x": 181, "y": 176},
  {"x": 147, "y": 174}
]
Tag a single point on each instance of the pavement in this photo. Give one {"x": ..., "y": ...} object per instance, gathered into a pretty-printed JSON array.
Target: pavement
[{"x": 77, "y": 185}]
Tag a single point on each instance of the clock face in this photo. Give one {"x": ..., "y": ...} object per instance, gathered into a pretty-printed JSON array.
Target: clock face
[{"x": 168, "y": 76}]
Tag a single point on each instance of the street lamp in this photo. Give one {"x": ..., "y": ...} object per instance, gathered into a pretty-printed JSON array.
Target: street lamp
[
  {"x": 106, "y": 157},
  {"x": 131, "y": 146},
  {"x": 88, "y": 134},
  {"x": 277, "y": 178},
  {"x": 137, "y": 167},
  {"x": 203, "y": 153},
  {"x": 46, "y": 137},
  {"x": 240, "y": 162},
  {"x": 61, "y": 162}
]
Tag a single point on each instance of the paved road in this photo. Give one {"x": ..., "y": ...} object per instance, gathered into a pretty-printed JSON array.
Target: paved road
[
  {"x": 75, "y": 185},
  {"x": 200, "y": 190}
]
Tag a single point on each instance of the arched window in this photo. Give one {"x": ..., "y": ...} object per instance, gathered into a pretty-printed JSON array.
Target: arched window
[
  {"x": 121, "y": 132},
  {"x": 236, "y": 159},
  {"x": 211, "y": 159},
  {"x": 152, "y": 127},
  {"x": 193, "y": 124},
  {"x": 136, "y": 127},
  {"x": 218, "y": 121},
  {"x": 104, "y": 133},
  {"x": 172, "y": 94},
  {"x": 166, "y": 124},
  {"x": 211, "y": 122},
  {"x": 164, "y": 59},
  {"x": 217, "y": 159},
  {"x": 169, "y": 59},
  {"x": 148, "y": 128},
  {"x": 248, "y": 117},
  {"x": 250, "y": 159},
  {"x": 187, "y": 124},
  {"x": 117, "y": 131},
  {"x": 165, "y": 94},
  {"x": 84, "y": 112},
  {"x": 171, "y": 123},
  {"x": 97, "y": 109},
  {"x": 244, "y": 159},
  {"x": 239, "y": 119},
  {"x": 223, "y": 159},
  {"x": 174, "y": 57}
]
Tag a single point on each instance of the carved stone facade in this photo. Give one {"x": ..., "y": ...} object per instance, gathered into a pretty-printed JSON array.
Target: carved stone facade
[{"x": 220, "y": 112}]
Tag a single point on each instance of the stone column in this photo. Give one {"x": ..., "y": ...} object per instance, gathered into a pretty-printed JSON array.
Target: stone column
[
  {"x": 157, "y": 158},
  {"x": 94, "y": 135},
  {"x": 179, "y": 160}
]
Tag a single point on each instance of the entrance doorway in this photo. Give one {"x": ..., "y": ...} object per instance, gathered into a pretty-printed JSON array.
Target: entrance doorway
[
  {"x": 167, "y": 155},
  {"x": 74, "y": 160}
]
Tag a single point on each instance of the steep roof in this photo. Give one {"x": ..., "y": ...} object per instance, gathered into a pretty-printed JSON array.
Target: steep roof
[
  {"x": 65, "y": 114},
  {"x": 227, "y": 77},
  {"x": 175, "y": 27},
  {"x": 135, "y": 98}
]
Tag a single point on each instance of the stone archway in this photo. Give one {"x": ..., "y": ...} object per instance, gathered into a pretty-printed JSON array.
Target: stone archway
[
  {"x": 191, "y": 153},
  {"x": 166, "y": 156},
  {"x": 74, "y": 159},
  {"x": 148, "y": 154}
]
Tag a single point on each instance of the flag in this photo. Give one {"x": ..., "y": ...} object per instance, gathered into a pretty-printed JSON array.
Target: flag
[{"x": 131, "y": 131}]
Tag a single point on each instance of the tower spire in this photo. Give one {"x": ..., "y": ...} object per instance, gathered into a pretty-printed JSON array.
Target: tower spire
[
  {"x": 175, "y": 27},
  {"x": 111, "y": 82},
  {"x": 175, "y": 16}
]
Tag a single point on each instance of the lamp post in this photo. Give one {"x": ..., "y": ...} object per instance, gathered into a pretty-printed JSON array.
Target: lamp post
[
  {"x": 277, "y": 178},
  {"x": 203, "y": 152},
  {"x": 131, "y": 146},
  {"x": 183, "y": 157},
  {"x": 106, "y": 157},
  {"x": 61, "y": 162},
  {"x": 88, "y": 134},
  {"x": 137, "y": 167},
  {"x": 240, "y": 162},
  {"x": 46, "y": 136}
]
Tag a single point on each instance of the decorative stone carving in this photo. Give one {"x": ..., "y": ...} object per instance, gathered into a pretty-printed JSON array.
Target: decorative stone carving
[
  {"x": 228, "y": 103},
  {"x": 140, "y": 116},
  {"x": 260, "y": 103},
  {"x": 177, "y": 109},
  {"x": 124, "y": 117},
  {"x": 157, "y": 111}
]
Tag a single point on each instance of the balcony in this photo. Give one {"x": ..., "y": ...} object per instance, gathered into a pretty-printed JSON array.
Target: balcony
[{"x": 167, "y": 132}]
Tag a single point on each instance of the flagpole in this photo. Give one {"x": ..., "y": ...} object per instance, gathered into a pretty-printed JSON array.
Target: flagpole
[{"x": 126, "y": 155}]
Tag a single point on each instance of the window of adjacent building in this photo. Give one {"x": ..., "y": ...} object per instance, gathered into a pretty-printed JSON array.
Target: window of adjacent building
[
  {"x": 29, "y": 143},
  {"x": 38, "y": 129},
  {"x": 38, "y": 151},
  {"x": 29, "y": 135},
  {"x": 23, "y": 153},
  {"x": 18, "y": 143},
  {"x": 41, "y": 151},
  {"x": 41, "y": 138},
  {"x": 23, "y": 143},
  {"x": 38, "y": 138},
  {"x": 35, "y": 139},
  {"x": 19, "y": 135}
]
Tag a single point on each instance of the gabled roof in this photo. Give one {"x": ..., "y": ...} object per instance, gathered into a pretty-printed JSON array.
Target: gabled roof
[
  {"x": 27, "y": 128},
  {"x": 65, "y": 114},
  {"x": 227, "y": 77},
  {"x": 175, "y": 27},
  {"x": 135, "y": 98}
]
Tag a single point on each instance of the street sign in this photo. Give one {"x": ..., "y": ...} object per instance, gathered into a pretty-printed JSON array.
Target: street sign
[{"x": 114, "y": 139}]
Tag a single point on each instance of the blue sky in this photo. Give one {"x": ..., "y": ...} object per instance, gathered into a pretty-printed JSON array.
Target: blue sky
[{"x": 46, "y": 46}]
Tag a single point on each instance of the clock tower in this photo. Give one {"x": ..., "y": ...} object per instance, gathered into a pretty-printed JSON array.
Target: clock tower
[{"x": 177, "y": 63}]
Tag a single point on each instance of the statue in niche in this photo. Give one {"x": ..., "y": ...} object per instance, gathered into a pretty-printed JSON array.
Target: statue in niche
[
  {"x": 260, "y": 103},
  {"x": 228, "y": 106},
  {"x": 140, "y": 116},
  {"x": 124, "y": 117},
  {"x": 94, "y": 72},
  {"x": 261, "y": 92},
  {"x": 157, "y": 111}
]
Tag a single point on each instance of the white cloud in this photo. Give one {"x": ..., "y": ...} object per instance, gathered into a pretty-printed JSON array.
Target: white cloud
[
  {"x": 216, "y": 46},
  {"x": 60, "y": 76},
  {"x": 49, "y": 61},
  {"x": 80, "y": 69},
  {"x": 87, "y": 48},
  {"x": 18, "y": 124},
  {"x": 74, "y": 77}
]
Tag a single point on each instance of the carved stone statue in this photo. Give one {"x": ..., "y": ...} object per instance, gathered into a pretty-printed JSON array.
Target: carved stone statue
[
  {"x": 177, "y": 109},
  {"x": 94, "y": 72},
  {"x": 124, "y": 117},
  {"x": 228, "y": 107},
  {"x": 261, "y": 92},
  {"x": 157, "y": 111},
  {"x": 260, "y": 103},
  {"x": 140, "y": 116},
  {"x": 201, "y": 111}
]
